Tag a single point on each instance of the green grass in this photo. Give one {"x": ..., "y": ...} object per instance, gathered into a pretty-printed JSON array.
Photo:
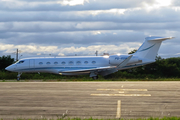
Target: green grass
[
  {"x": 165, "y": 118},
  {"x": 89, "y": 80},
  {"x": 119, "y": 76}
]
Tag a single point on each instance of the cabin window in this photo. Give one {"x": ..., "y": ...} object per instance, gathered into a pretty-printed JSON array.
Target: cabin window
[
  {"x": 48, "y": 63},
  {"x": 20, "y": 62},
  {"x": 85, "y": 62},
  {"x": 63, "y": 63},
  {"x": 55, "y": 63},
  {"x": 78, "y": 62},
  {"x": 40, "y": 63},
  {"x": 71, "y": 63},
  {"x": 93, "y": 62}
]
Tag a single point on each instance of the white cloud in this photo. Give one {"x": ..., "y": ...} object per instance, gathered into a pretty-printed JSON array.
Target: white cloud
[
  {"x": 68, "y": 27},
  {"x": 157, "y": 4},
  {"x": 72, "y": 2},
  {"x": 27, "y": 50}
]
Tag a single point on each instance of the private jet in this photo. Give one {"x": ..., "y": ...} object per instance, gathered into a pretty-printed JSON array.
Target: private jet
[{"x": 92, "y": 65}]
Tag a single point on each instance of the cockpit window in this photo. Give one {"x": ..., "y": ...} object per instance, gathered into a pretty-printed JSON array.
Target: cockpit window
[{"x": 20, "y": 62}]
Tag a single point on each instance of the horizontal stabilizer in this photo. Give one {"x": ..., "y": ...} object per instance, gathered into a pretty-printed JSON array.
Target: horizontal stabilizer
[{"x": 158, "y": 38}]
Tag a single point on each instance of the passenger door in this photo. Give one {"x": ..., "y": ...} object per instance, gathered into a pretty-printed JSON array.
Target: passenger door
[{"x": 31, "y": 63}]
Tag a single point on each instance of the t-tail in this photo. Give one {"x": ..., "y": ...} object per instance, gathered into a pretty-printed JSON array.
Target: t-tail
[{"x": 149, "y": 49}]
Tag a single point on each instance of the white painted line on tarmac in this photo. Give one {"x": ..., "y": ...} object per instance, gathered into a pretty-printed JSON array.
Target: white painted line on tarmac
[
  {"x": 121, "y": 95},
  {"x": 123, "y": 89},
  {"x": 118, "y": 114}
]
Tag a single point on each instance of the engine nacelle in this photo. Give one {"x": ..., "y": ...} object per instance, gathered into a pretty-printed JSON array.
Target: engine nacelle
[{"x": 117, "y": 59}]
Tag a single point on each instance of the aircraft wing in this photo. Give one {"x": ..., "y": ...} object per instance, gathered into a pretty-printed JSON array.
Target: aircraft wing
[
  {"x": 118, "y": 67},
  {"x": 124, "y": 63},
  {"x": 107, "y": 68},
  {"x": 88, "y": 69}
]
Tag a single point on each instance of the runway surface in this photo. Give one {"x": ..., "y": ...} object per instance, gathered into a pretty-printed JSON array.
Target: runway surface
[{"x": 89, "y": 99}]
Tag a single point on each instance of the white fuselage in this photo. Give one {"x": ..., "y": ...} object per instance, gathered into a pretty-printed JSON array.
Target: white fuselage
[{"x": 58, "y": 65}]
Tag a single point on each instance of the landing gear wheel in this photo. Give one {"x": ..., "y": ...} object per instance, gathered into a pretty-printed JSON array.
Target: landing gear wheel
[
  {"x": 18, "y": 79},
  {"x": 95, "y": 77},
  {"x": 19, "y": 76}
]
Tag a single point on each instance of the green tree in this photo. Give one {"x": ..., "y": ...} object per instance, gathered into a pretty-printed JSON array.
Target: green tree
[
  {"x": 5, "y": 61},
  {"x": 132, "y": 51},
  {"x": 169, "y": 67}
]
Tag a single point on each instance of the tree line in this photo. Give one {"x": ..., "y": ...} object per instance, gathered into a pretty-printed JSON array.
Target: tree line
[{"x": 5, "y": 61}]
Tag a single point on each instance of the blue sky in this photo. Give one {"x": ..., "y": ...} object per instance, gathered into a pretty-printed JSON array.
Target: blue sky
[{"x": 69, "y": 27}]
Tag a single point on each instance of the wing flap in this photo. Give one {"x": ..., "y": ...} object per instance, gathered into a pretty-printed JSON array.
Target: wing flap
[
  {"x": 111, "y": 68},
  {"x": 91, "y": 69}
]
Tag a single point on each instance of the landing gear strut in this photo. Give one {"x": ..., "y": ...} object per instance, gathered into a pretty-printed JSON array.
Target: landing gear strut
[
  {"x": 94, "y": 75},
  {"x": 19, "y": 76}
]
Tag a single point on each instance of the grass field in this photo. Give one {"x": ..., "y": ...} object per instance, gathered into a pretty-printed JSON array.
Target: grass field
[{"x": 120, "y": 76}]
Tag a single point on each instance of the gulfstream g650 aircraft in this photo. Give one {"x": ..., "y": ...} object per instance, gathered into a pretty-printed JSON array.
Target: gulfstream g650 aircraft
[{"x": 94, "y": 66}]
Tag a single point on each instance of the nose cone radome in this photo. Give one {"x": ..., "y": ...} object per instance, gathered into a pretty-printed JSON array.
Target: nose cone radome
[{"x": 9, "y": 68}]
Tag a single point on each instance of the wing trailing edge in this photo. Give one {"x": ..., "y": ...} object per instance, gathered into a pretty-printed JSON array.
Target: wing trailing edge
[{"x": 91, "y": 69}]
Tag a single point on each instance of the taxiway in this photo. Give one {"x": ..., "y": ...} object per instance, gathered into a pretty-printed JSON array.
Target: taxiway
[{"x": 89, "y": 99}]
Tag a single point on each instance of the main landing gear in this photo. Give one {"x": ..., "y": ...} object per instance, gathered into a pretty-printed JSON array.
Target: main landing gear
[
  {"x": 19, "y": 76},
  {"x": 94, "y": 75}
]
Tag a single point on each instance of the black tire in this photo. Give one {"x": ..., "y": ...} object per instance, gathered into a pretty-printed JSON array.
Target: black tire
[
  {"x": 95, "y": 77},
  {"x": 18, "y": 79}
]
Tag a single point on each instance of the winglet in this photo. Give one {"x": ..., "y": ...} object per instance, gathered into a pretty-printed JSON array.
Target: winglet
[{"x": 124, "y": 63}]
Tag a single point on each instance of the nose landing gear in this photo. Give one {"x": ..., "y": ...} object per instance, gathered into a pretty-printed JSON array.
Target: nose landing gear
[{"x": 19, "y": 76}]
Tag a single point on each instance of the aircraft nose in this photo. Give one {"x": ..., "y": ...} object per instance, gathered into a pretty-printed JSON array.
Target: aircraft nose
[{"x": 9, "y": 68}]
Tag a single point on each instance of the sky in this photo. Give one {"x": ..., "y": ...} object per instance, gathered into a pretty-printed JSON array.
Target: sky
[{"x": 80, "y": 27}]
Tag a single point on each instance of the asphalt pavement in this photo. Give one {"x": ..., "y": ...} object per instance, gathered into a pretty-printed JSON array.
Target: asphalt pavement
[{"x": 89, "y": 99}]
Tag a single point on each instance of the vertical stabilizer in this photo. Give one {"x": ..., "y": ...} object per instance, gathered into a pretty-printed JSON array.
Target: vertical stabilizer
[{"x": 150, "y": 47}]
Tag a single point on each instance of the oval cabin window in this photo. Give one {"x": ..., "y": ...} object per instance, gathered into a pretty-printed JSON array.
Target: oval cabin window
[
  {"x": 63, "y": 63},
  {"x": 71, "y": 63},
  {"x": 78, "y": 62},
  {"x": 86, "y": 62},
  {"x": 93, "y": 62},
  {"x": 55, "y": 63},
  {"x": 40, "y": 63},
  {"x": 48, "y": 63}
]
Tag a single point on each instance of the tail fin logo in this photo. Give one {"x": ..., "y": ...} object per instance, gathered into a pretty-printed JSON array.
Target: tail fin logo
[{"x": 147, "y": 48}]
